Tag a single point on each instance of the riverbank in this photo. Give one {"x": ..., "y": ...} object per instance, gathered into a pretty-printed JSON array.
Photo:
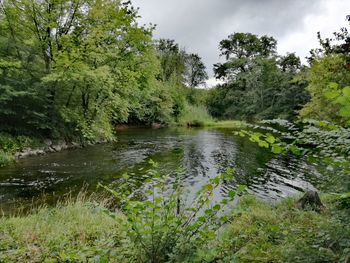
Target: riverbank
[
  {"x": 82, "y": 231},
  {"x": 13, "y": 148}
]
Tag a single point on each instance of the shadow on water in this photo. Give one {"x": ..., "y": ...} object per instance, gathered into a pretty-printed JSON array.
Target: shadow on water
[{"x": 200, "y": 153}]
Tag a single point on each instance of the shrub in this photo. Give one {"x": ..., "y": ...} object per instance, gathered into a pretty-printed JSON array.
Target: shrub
[
  {"x": 160, "y": 227},
  {"x": 5, "y": 158}
]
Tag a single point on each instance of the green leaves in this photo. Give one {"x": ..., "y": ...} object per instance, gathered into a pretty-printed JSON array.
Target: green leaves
[
  {"x": 276, "y": 149},
  {"x": 159, "y": 224},
  {"x": 232, "y": 194}
]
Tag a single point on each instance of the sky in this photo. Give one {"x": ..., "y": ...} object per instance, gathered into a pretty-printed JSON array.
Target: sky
[{"x": 199, "y": 25}]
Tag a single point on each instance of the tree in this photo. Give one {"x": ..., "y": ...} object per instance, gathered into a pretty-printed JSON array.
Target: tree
[
  {"x": 240, "y": 49},
  {"x": 83, "y": 60},
  {"x": 258, "y": 83},
  {"x": 328, "y": 77},
  {"x": 195, "y": 71},
  {"x": 172, "y": 61}
]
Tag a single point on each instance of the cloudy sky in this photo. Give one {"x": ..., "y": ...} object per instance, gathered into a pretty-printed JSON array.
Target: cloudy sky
[{"x": 199, "y": 25}]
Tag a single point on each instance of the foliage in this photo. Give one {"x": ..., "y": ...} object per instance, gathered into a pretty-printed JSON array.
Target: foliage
[
  {"x": 165, "y": 227},
  {"x": 258, "y": 83},
  {"x": 81, "y": 231},
  {"x": 74, "y": 231},
  {"x": 195, "y": 74},
  {"x": 281, "y": 233},
  {"x": 5, "y": 158},
  {"x": 9, "y": 145},
  {"x": 74, "y": 68},
  {"x": 319, "y": 141},
  {"x": 340, "y": 97},
  {"x": 172, "y": 61},
  {"x": 324, "y": 72},
  {"x": 195, "y": 116},
  {"x": 328, "y": 77}
]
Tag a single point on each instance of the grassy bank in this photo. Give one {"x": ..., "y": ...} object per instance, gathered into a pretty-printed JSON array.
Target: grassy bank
[
  {"x": 198, "y": 116},
  {"x": 82, "y": 232}
]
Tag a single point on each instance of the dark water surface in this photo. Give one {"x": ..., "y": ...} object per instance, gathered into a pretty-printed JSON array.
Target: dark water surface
[{"x": 202, "y": 153}]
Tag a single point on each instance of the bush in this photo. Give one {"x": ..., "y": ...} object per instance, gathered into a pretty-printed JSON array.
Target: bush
[{"x": 161, "y": 227}]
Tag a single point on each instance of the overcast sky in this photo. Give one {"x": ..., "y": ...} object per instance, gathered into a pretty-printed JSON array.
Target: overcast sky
[{"x": 199, "y": 25}]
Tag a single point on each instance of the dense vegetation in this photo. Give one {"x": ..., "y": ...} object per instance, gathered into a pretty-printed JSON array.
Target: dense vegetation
[
  {"x": 72, "y": 70},
  {"x": 259, "y": 84},
  {"x": 80, "y": 231}
]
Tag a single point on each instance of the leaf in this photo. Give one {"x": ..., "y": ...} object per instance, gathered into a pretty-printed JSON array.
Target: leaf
[
  {"x": 263, "y": 144},
  {"x": 217, "y": 207},
  {"x": 331, "y": 95},
  {"x": 232, "y": 194},
  {"x": 158, "y": 199},
  {"x": 333, "y": 85},
  {"x": 276, "y": 149},
  {"x": 346, "y": 91},
  {"x": 216, "y": 180},
  {"x": 270, "y": 138},
  {"x": 241, "y": 188},
  {"x": 208, "y": 211},
  {"x": 202, "y": 219}
]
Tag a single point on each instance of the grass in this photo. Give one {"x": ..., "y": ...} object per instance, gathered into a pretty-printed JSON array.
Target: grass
[
  {"x": 71, "y": 232},
  {"x": 6, "y": 158},
  {"x": 198, "y": 116},
  {"x": 195, "y": 116},
  {"x": 80, "y": 231},
  {"x": 226, "y": 124},
  {"x": 264, "y": 233}
]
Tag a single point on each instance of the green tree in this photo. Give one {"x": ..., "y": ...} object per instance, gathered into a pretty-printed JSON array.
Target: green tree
[
  {"x": 195, "y": 74},
  {"x": 172, "y": 61},
  {"x": 84, "y": 60},
  {"x": 323, "y": 71},
  {"x": 258, "y": 83}
]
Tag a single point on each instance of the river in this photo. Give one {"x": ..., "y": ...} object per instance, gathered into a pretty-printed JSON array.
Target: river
[{"x": 200, "y": 153}]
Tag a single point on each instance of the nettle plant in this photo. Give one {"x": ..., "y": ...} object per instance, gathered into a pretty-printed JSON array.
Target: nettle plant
[{"x": 161, "y": 225}]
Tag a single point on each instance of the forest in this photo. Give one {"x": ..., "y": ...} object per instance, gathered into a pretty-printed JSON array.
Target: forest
[{"x": 77, "y": 71}]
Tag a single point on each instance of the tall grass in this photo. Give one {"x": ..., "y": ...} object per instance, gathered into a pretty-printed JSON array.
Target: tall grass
[
  {"x": 195, "y": 116},
  {"x": 282, "y": 233},
  {"x": 5, "y": 158},
  {"x": 73, "y": 231}
]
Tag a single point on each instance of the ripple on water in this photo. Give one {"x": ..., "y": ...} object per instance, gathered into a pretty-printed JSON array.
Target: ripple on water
[{"x": 200, "y": 153}]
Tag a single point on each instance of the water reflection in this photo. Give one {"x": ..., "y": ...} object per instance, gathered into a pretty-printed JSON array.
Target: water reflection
[{"x": 201, "y": 153}]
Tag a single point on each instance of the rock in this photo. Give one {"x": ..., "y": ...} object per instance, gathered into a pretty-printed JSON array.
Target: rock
[
  {"x": 40, "y": 152},
  {"x": 310, "y": 200},
  {"x": 25, "y": 153},
  {"x": 48, "y": 142},
  {"x": 64, "y": 146},
  {"x": 56, "y": 148},
  {"x": 75, "y": 145}
]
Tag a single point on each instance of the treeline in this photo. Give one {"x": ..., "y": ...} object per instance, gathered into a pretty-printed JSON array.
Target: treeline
[
  {"x": 73, "y": 69},
  {"x": 260, "y": 84}
]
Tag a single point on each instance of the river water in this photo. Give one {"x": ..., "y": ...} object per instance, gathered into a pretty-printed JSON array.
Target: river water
[{"x": 200, "y": 153}]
